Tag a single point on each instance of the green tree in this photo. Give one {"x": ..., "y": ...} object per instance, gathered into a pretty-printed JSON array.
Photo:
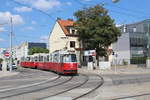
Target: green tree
[
  {"x": 1, "y": 60},
  {"x": 96, "y": 29},
  {"x": 37, "y": 50}
]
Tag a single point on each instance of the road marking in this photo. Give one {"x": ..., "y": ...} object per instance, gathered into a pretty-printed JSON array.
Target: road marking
[
  {"x": 58, "y": 98},
  {"x": 127, "y": 99}
]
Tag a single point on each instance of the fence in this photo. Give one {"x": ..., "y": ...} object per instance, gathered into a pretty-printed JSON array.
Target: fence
[{"x": 135, "y": 61}]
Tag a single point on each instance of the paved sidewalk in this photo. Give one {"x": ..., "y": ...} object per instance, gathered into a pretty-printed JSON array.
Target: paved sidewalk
[
  {"x": 117, "y": 70},
  {"x": 124, "y": 82},
  {"x": 7, "y": 73}
]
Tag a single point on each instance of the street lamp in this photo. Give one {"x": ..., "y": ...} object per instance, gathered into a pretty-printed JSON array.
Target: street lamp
[{"x": 115, "y": 1}]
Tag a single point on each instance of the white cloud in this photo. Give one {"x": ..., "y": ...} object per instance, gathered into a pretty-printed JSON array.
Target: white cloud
[
  {"x": 46, "y": 4},
  {"x": 1, "y": 39},
  {"x": 41, "y": 4},
  {"x": 28, "y": 28},
  {"x": 86, "y": 0},
  {"x": 23, "y": 9},
  {"x": 118, "y": 25},
  {"x": 5, "y": 18},
  {"x": 2, "y": 29},
  {"x": 68, "y": 3},
  {"x": 33, "y": 22},
  {"x": 44, "y": 38}
]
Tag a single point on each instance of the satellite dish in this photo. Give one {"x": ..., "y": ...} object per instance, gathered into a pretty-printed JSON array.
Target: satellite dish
[{"x": 115, "y": 1}]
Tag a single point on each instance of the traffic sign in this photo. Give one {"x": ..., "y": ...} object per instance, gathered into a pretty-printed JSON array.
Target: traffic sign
[{"x": 6, "y": 54}]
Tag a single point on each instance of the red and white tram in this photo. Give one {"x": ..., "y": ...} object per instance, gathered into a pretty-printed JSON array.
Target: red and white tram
[{"x": 64, "y": 62}]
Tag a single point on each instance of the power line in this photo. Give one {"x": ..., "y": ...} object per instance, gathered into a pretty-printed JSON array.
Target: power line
[
  {"x": 121, "y": 13},
  {"x": 128, "y": 10},
  {"x": 124, "y": 13}
]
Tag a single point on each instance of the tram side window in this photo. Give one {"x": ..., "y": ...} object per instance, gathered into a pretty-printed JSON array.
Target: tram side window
[
  {"x": 47, "y": 58},
  {"x": 55, "y": 58},
  {"x": 61, "y": 58},
  {"x": 41, "y": 58},
  {"x": 69, "y": 58},
  {"x": 32, "y": 59},
  {"x": 50, "y": 58},
  {"x": 28, "y": 58},
  {"x": 35, "y": 58}
]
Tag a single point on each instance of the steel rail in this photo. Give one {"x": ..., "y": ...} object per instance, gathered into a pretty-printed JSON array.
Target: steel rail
[{"x": 26, "y": 92}]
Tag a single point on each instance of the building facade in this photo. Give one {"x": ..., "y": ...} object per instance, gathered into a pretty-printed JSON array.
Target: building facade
[
  {"x": 23, "y": 49},
  {"x": 63, "y": 36},
  {"x": 133, "y": 44}
]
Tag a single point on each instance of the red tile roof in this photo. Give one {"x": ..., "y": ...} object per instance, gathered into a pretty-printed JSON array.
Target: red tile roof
[{"x": 64, "y": 24}]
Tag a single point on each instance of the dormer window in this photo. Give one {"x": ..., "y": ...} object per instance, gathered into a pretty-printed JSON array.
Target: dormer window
[{"x": 72, "y": 31}]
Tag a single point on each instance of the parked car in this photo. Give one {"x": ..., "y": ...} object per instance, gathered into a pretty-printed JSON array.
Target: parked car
[{"x": 14, "y": 66}]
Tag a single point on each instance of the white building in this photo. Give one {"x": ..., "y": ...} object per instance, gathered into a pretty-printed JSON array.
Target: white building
[
  {"x": 133, "y": 47},
  {"x": 23, "y": 49},
  {"x": 1, "y": 52},
  {"x": 121, "y": 50}
]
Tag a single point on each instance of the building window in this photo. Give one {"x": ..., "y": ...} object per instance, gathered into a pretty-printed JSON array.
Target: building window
[
  {"x": 134, "y": 29},
  {"x": 73, "y": 31},
  {"x": 72, "y": 44}
]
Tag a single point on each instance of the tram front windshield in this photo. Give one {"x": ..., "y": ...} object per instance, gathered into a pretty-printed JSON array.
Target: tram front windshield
[{"x": 69, "y": 58}]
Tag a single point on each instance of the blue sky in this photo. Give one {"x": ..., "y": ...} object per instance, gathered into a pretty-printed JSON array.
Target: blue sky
[{"x": 30, "y": 24}]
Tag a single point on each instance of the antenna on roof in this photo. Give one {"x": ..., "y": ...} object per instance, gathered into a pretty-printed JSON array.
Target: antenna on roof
[{"x": 58, "y": 18}]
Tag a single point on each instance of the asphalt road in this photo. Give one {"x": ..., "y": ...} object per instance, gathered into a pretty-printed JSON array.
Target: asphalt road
[{"x": 31, "y": 84}]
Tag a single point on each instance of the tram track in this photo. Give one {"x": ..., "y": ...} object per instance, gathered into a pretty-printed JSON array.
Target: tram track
[
  {"x": 132, "y": 96},
  {"x": 99, "y": 85},
  {"x": 87, "y": 78},
  {"x": 35, "y": 90},
  {"x": 30, "y": 85},
  {"x": 25, "y": 80},
  {"x": 25, "y": 73},
  {"x": 60, "y": 83},
  {"x": 80, "y": 96}
]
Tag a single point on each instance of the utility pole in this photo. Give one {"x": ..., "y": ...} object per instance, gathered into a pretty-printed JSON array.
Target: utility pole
[
  {"x": 148, "y": 44},
  {"x": 10, "y": 51}
]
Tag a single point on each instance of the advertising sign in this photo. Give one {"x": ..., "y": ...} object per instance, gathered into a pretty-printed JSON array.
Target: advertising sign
[{"x": 90, "y": 53}]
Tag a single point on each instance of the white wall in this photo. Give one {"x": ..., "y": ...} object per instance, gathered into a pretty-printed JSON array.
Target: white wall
[
  {"x": 57, "y": 39},
  {"x": 22, "y": 51},
  {"x": 122, "y": 49}
]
